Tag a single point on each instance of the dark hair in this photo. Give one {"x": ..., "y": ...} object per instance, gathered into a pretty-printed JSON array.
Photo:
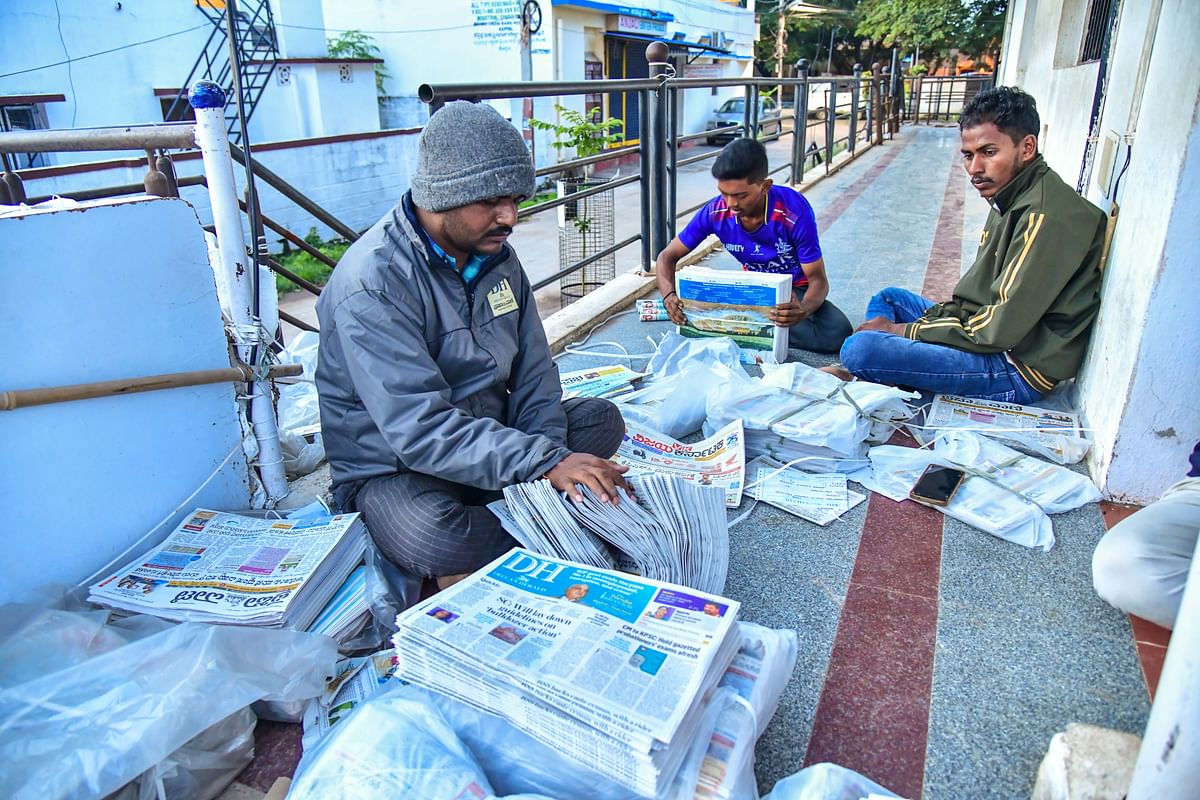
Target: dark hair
[
  {"x": 1008, "y": 108},
  {"x": 741, "y": 159}
]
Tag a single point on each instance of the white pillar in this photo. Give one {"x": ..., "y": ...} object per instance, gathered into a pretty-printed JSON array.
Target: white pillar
[
  {"x": 208, "y": 101},
  {"x": 1168, "y": 764}
]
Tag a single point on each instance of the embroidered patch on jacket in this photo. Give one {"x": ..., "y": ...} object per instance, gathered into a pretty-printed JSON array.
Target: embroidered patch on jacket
[{"x": 501, "y": 299}]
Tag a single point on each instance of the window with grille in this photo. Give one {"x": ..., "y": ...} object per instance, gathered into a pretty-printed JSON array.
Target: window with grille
[
  {"x": 593, "y": 102},
  {"x": 31, "y": 117},
  {"x": 1097, "y": 25}
]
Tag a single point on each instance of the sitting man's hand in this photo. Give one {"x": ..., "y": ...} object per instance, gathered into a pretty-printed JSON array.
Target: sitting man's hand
[
  {"x": 598, "y": 474},
  {"x": 785, "y": 315},
  {"x": 882, "y": 324},
  {"x": 674, "y": 308}
]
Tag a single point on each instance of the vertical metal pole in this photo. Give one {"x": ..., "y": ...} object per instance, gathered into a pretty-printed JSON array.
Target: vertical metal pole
[
  {"x": 830, "y": 121},
  {"x": 917, "y": 81},
  {"x": 799, "y": 122},
  {"x": 753, "y": 88},
  {"x": 673, "y": 153},
  {"x": 876, "y": 103},
  {"x": 656, "y": 57},
  {"x": 854, "y": 101},
  {"x": 1169, "y": 760},
  {"x": 747, "y": 116},
  {"x": 649, "y": 254},
  {"x": 885, "y": 81}
]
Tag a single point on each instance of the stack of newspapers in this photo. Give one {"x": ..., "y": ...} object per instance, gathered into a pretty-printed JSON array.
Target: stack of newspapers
[
  {"x": 800, "y": 415},
  {"x": 235, "y": 569},
  {"x": 676, "y": 531},
  {"x": 606, "y": 668}
]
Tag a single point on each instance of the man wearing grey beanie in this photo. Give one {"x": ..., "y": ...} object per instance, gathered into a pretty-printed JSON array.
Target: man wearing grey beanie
[{"x": 435, "y": 379}]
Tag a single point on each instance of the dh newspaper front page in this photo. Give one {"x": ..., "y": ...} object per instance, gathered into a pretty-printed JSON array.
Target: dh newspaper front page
[{"x": 608, "y": 668}]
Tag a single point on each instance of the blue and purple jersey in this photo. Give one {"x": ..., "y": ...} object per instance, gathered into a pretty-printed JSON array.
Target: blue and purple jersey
[{"x": 786, "y": 239}]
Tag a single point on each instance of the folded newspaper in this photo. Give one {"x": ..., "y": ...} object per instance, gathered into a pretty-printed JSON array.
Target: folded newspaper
[
  {"x": 357, "y": 680},
  {"x": 736, "y": 304},
  {"x": 606, "y": 668},
  {"x": 235, "y": 569},
  {"x": 819, "y": 498},
  {"x": 676, "y": 531},
  {"x": 719, "y": 460},
  {"x": 1056, "y": 435},
  {"x": 612, "y": 381}
]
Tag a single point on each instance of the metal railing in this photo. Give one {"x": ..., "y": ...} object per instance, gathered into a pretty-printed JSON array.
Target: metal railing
[
  {"x": 940, "y": 98},
  {"x": 865, "y": 100}
]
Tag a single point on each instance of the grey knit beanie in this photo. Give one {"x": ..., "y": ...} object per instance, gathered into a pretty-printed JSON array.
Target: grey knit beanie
[{"x": 468, "y": 153}]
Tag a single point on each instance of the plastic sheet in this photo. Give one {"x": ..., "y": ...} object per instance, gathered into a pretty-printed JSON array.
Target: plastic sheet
[
  {"x": 299, "y": 409},
  {"x": 827, "y": 782},
  {"x": 676, "y": 353},
  {"x": 202, "y": 768},
  {"x": 100, "y": 705},
  {"x": 719, "y": 764},
  {"x": 394, "y": 746},
  {"x": 677, "y": 405}
]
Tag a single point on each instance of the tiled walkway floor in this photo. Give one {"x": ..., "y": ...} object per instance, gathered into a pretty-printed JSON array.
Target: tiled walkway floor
[{"x": 933, "y": 658}]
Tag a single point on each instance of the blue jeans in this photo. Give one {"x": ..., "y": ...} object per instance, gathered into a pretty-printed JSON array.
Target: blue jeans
[{"x": 886, "y": 358}]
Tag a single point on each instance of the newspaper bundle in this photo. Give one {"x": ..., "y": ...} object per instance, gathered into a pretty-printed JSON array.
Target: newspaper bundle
[
  {"x": 606, "y": 668},
  {"x": 721, "y": 302},
  {"x": 608, "y": 382},
  {"x": 357, "y": 680},
  {"x": 229, "y": 568},
  {"x": 676, "y": 532},
  {"x": 1055, "y": 435},
  {"x": 719, "y": 460}
]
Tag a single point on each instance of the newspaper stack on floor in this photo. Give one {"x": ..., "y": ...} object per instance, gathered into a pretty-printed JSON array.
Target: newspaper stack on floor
[
  {"x": 820, "y": 498},
  {"x": 229, "y": 568},
  {"x": 347, "y": 611},
  {"x": 612, "y": 381},
  {"x": 603, "y": 667},
  {"x": 676, "y": 531},
  {"x": 1056, "y": 435},
  {"x": 799, "y": 414}
]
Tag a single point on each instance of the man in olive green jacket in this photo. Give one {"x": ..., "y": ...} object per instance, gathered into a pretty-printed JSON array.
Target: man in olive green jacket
[{"x": 1020, "y": 318}]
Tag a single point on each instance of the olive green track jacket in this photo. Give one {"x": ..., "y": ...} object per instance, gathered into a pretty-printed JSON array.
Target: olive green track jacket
[{"x": 1034, "y": 289}]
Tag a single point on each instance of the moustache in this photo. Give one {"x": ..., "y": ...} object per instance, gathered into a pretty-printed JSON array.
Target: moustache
[{"x": 503, "y": 230}]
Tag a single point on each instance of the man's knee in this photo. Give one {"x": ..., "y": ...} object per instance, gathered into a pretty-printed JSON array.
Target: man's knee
[
  {"x": 594, "y": 425},
  {"x": 864, "y": 350}
]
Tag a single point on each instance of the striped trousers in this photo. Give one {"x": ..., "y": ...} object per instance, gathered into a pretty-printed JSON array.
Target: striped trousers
[{"x": 434, "y": 527}]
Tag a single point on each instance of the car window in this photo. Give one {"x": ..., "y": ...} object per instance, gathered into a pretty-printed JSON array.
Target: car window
[{"x": 734, "y": 106}]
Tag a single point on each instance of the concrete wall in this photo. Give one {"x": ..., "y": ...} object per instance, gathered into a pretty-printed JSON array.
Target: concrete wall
[
  {"x": 1140, "y": 379},
  {"x": 117, "y": 88},
  {"x": 357, "y": 180},
  {"x": 113, "y": 290}
]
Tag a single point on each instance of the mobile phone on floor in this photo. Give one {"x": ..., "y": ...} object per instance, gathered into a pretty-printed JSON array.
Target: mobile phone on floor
[{"x": 937, "y": 485}]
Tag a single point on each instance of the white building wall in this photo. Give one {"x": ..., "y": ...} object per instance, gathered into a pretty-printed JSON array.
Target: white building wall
[
  {"x": 1138, "y": 384},
  {"x": 120, "y": 289}
]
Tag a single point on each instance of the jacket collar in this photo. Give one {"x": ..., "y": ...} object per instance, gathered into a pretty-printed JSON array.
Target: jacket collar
[
  {"x": 434, "y": 253},
  {"x": 1004, "y": 199}
]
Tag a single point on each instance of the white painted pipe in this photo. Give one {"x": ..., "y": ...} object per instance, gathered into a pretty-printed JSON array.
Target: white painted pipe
[
  {"x": 208, "y": 101},
  {"x": 1168, "y": 764}
]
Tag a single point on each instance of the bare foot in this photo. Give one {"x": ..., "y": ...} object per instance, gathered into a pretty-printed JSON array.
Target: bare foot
[{"x": 838, "y": 372}]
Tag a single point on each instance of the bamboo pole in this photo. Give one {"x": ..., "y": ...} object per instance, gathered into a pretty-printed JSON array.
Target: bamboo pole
[{"x": 23, "y": 398}]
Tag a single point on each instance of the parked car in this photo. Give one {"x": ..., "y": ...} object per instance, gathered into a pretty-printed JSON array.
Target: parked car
[
  {"x": 731, "y": 112},
  {"x": 819, "y": 101}
]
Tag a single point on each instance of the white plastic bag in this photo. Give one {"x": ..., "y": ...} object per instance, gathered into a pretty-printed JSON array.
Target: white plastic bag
[
  {"x": 762, "y": 668},
  {"x": 827, "y": 782},
  {"x": 299, "y": 409},
  {"x": 676, "y": 353},
  {"x": 716, "y": 764},
  {"x": 126, "y": 697},
  {"x": 396, "y": 745},
  {"x": 676, "y": 405}
]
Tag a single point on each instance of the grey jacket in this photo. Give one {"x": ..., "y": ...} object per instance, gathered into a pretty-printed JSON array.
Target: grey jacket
[{"x": 420, "y": 372}]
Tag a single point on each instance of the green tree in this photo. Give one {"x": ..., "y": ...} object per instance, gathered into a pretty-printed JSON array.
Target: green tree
[
  {"x": 356, "y": 44},
  {"x": 974, "y": 27}
]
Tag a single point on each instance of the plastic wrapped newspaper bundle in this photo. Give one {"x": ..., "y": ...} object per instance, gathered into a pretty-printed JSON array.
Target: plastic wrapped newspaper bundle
[
  {"x": 799, "y": 415},
  {"x": 1006, "y": 493},
  {"x": 606, "y": 668},
  {"x": 1056, "y": 435},
  {"x": 239, "y": 570},
  {"x": 677, "y": 531}
]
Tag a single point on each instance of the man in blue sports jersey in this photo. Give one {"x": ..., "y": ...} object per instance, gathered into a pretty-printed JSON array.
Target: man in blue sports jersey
[{"x": 767, "y": 228}]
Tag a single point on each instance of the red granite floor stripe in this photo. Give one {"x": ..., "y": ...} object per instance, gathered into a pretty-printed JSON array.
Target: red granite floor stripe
[
  {"x": 945, "y": 256},
  {"x": 838, "y": 207},
  {"x": 873, "y": 715}
]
